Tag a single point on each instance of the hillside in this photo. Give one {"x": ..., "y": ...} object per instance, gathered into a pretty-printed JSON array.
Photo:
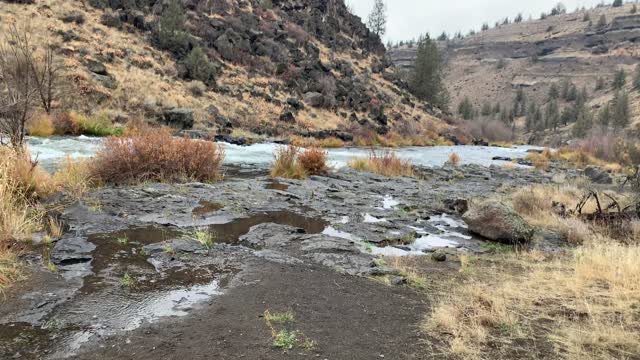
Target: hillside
[
  {"x": 490, "y": 66},
  {"x": 282, "y": 67}
]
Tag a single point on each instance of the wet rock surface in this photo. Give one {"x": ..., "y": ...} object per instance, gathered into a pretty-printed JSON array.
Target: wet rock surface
[{"x": 136, "y": 258}]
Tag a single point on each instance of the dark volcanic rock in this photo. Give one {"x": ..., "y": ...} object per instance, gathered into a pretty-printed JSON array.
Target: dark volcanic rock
[
  {"x": 314, "y": 99},
  {"x": 72, "y": 250},
  {"x": 598, "y": 175},
  {"x": 179, "y": 118}
]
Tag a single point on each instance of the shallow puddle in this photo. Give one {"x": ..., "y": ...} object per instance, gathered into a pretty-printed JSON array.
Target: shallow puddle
[
  {"x": 206, "y": 207},
  {"x": 120, "y": 252},
  {"x": 231, "y": 232}
]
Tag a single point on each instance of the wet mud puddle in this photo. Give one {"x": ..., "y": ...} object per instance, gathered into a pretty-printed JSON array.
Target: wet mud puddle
[{"x": 126, "y": 285}]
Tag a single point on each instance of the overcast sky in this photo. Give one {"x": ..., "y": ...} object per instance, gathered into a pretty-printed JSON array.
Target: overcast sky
[{"x": 408, "y": 19}]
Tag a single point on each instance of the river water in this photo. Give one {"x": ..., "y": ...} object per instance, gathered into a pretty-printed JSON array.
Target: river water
[{"x": 51, "y": 151}]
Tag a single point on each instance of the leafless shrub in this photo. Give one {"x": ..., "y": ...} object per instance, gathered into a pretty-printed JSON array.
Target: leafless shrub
[
  {"x": 297, "y": 33},
  {"x": 491, "y": 130},
  {"x": 27, "y": 79}
]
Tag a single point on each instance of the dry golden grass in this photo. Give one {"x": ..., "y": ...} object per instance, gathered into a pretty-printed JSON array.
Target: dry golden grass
[
  {"x": 285, "y": 164},
  {"x": 577, "y": 304},
  {"x": 328, "y": 143},
  {"x": 75, "y": 177},
  {"x": 41, "y": 125},
  {"x": 10, "y": 269},
  {"x": 582, "y": 303},
  {"x": 385, "y": 163},
  {"x": 575, "y": 157}
]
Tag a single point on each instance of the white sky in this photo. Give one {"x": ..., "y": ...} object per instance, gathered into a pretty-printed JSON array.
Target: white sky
[{"x": 409, "y": 19}]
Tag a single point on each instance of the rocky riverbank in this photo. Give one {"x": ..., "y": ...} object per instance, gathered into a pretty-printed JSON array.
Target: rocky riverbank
[{"x": 146, "y": 271}]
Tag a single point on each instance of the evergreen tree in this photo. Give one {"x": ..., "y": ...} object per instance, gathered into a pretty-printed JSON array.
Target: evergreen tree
[
  {"x": 619, "y": 79},
  {"x": 486, "y": 109},
  {"x": 465, "y": 109},
  {"x": 496, "y": 109},
  {"x": 636, "y": 78},
  {"x": 198, "y": 67},
  {"x": 552, "y": 115},
  {"x": 634, "y": 9},
  {"x": 568, "y": 115},
  {"x": 485, "y": 27},
  {"x": 584, "y": 122},
  {"x": 443, "y": 37},
  {"x": 617, "y": 3},
  {"x": 378, "y": 18},
  {"x": 604, "y": 117},
  {"x": 599, "y": 84},
  {"x": 426, "y": 79},
  {"x": 553, "y": 92},
  {"x": 171, "y": 31},
  {"x": 621, "y": 112},
  {"x": 518, "y": 18}
]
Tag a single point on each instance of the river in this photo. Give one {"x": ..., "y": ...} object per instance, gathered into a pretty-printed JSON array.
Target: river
[{"x": 51, "y": 151}]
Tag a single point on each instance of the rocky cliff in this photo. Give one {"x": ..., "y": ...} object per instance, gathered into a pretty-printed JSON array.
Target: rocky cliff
[
  {"x": 281, "y": 67},
  {"x": 490, "y": 66}
]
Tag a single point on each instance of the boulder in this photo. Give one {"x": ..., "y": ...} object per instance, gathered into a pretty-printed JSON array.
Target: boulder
[
  {"x": 498, "y": 222},
  {"x": 72, "y": 250},
  {"x": 287, "y": 116},
  {"x": 97, "y": 67},
  {"x": 597, "y": 175},
  {"x": 314, "y": 99},
  {"x": 178, "y": 117},
  {"x": 295, "y": 103}
]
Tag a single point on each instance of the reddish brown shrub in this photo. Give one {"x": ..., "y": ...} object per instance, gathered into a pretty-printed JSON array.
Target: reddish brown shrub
[
  {"x": 313, "y": 161},
  {"x": 297, "y": 33},
  {"x": 157, "y": 156}
]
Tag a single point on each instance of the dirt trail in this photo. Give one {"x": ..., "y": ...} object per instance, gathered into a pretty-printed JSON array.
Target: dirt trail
[{"x": 348, "y": 317}]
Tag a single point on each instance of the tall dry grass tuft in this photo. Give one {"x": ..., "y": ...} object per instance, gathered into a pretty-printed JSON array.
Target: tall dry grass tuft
[
  {"x": 40, "y": 125},
  {"x": 75, "y": 177},
  {"x": 157, "y": 156},
  {"x": 285, "y": 164},
  {"x": 9, "y": 268},
  {"x": 386, "y": 163},
  {"x": 22, "y": 184}
]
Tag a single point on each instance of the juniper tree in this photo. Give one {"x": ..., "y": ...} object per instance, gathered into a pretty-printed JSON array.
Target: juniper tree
[
  {"x": 518, "y": 18},
  {"x": 378, "y": 18},
  {"x": 426, "y": 78},
  {"x": 617, "y": 3},
  {"x": 636, "y": 78},
  {"x": 604, "y": 117},
  {"x": 619, "y": 79},
  {"x": 584, "y": 121},
  {"x": 621, "y": 112},
  {"x": 465, "y": 109},
  {"x": 171, "y": 31},
  {"x": 553, "y": 92}
]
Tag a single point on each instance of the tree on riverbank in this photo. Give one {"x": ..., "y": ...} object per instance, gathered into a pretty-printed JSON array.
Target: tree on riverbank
[{"x": 426, "y": 78}]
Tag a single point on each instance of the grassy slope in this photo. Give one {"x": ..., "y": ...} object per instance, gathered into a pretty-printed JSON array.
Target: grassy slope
[
  {"x": 147, "y": 79},
  {"x": 479, "y": 78}
]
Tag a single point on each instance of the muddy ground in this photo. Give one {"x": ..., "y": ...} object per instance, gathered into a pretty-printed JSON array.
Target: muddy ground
[{"x": 188, "y": 271}]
